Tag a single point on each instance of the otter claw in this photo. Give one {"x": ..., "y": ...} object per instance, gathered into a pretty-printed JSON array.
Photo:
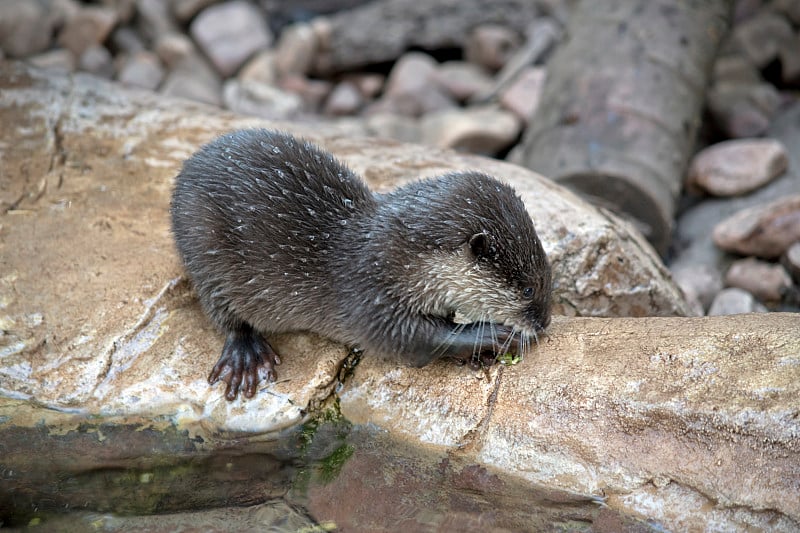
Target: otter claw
[{"x": 244, "y": 352}]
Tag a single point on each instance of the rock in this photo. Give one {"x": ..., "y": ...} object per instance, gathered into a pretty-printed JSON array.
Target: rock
[
  {"x": 790, "y": 8},
  {"x": 142, "y": 70},
  {"x": 462, "y": 80},
  {"x": 540, "y": 36},
  {"x": 155, "y": 20},
  {"x": 311, "y": 92},
  {"x": 173, "y": 48},
  {"x": 26, "y": 27},
  {"x": 790, "y": 60},
  {"x": 765, "y": 231},
  {"x": 296, "y": 50},
  {"x": 735, "y": 69},
  {"x": 491, "y": 45},
  {"x": 370, "y": 84},
  {"x": 411, "y": 87},
  {"x": 760, "y": 37},
  {"x": 386, "y": 29},
  {"x": 700, "y": 281},
  {"x": 185, "y": 10},
  {"x": 90, "y": 26},
  {"x": 229, "y": 33},
  {"x": 125, "y": 40},
  {"x": 766, "y": 281},
  {"x": 97, "y": 60},
  {"x": 480, "y": 130},
  {"x": 522, "y": 95},
  {"x": 194, "y": 79},
  {"x": 259, "y": 100},
  {"x": 734, "y": 301},
  {"x": 56, "y": 59},
  {"x": 743, "y": 109},
  {"x": 345, "y": 99},
  {"x": 260, "y": 68},
  {"x": 791, "y": 261},
  {"x": 737, "y": 167},
  {"x": 393, "y": 126}
]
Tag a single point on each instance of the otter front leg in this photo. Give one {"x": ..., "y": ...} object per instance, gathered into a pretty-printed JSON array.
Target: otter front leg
[
  {"x": 478, "y": 344},
  {"x": 245, "y": 350}
]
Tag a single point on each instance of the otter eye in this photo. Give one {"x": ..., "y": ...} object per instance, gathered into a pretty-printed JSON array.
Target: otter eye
[{"x": 527, "y": 293}]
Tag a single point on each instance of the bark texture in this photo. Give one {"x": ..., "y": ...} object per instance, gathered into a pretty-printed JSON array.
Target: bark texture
[{"x": 622, "y": 104}]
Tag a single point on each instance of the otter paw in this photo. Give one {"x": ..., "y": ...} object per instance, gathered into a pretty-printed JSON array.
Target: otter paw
[{"x": 245, "y": 351}]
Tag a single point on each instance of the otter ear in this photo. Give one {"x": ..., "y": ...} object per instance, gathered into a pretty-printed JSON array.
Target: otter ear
[{"x": 480, "y": 245}]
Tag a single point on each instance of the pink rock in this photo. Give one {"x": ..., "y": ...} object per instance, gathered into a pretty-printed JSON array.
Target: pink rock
[
  {"x": 296, "y": 50},
  {"x": 764, "y": 231},
  {"x": 522, "y": 96},
  {"x": 229, "y": 33},
  {"x": 766, "y": 281},
  {"x": 737, "y": 167},
  {"x": 463, "y": 80}
]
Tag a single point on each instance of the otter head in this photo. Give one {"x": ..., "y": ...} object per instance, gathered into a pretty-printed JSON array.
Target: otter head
[{"x": 482, "y": 261}]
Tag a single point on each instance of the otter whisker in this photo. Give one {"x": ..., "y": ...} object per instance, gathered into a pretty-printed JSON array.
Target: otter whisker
[{"x": 442, "y": 347}]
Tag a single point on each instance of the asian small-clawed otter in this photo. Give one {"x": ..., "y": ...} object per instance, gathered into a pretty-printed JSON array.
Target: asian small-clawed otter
[{"x": 279, "y": 236}]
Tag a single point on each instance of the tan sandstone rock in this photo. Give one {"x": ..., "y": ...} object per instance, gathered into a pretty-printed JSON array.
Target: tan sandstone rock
[{"x": 764, "y": 230}]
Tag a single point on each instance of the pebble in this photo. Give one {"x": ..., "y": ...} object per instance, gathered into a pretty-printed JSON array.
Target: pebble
[
  {"x": 523, "y": 94},
  {"x": 344, "y": 99},
  {"x": 155, "y": 19},
  {"x": 369, "y": 83},
  {"x": 765, "y": 230},
  {"x": 743, "y": 109},
  {"x": 296, "y": 50},
  {"x": 482, "y": 130},
  {"x": 173, "y": 48},
  {"x": 738, "y": 166},
  {"x": 491, "y": 45},
  {"x": 125, "y": 39},
  {"x": 766, "y": 281},
  {"x": 25, "y": 27},
  {"x": 56, "y": 59},
  {"x": 760, "y": 37},
  {"x": 789, "y": 54},
  {"x": 791, "y": 261},
  {"x": 312, "y": 92},
  {"x": 260, "y": 68},
  {"x": 142, "y": 70},
  {"x": 194, "y": 79},
  {"x": 735, "y": 301},
  {"x": 393, "y": 126},
  {"x": 229, "y": 33},
  {"x": 736, "y": 69},
  {"x": 97, "y": 60},
  {"x": 259, "y": 100},
  {"x": 411, "y": 87},
  {"x": 463, "y": 80},
  {"x": 698, "y": 281},
  {"x": 90, "y": 26},
  {"x": 185, "y": 10}
]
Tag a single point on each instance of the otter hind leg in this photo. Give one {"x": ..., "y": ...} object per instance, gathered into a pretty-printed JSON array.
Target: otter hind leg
[{"x": 244, "y": 352}]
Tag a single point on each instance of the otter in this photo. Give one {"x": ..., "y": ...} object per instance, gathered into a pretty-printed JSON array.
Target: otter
[{"x": 279, "y": 236}]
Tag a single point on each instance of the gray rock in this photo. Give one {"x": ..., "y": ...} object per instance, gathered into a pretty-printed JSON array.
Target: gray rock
[
  {"x": 760, "y": 37},
  {"x": 700, "y": 282},
  {"x": 463, "y": 80},
  {"x": 522, "y": 95},
  {"x": 735, "y": 68},
  {"x": 482, "y": 130},
  {"x": 743, "y": 109},
  {"x": 229, "y": 33},
  {"x": 259, "y": 100},
  {"x": 173, "y": 48},
  {"x": 766, "y": 281},
  {"x": 296, "y": 49},
  {"x": 765, "y": 230},
  {"x": 155, "y": 19},
  {"x": 90, "y": 26},
  {"x": 491, "y": 45},
  {"x": 26, "y": 27},
  {"x": 734, "y": 301},
  {"x": 194, "y": 79},
  {"x": 790, "y": 8},
  {"x": 411, "y": 87},
  {"x": 790, "y": 60},
  {"x": 57, "y": 59},
  {"x": 737, "y": 167},
  {"x": 97, "y": 60},
  {"x": 260, "y": 68},
  {"x": 126, "y": 40},
  {"x": 185, "y": 10},
  {"x": 142, "y": 70},
  {"x": 344, "y": 99}
]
